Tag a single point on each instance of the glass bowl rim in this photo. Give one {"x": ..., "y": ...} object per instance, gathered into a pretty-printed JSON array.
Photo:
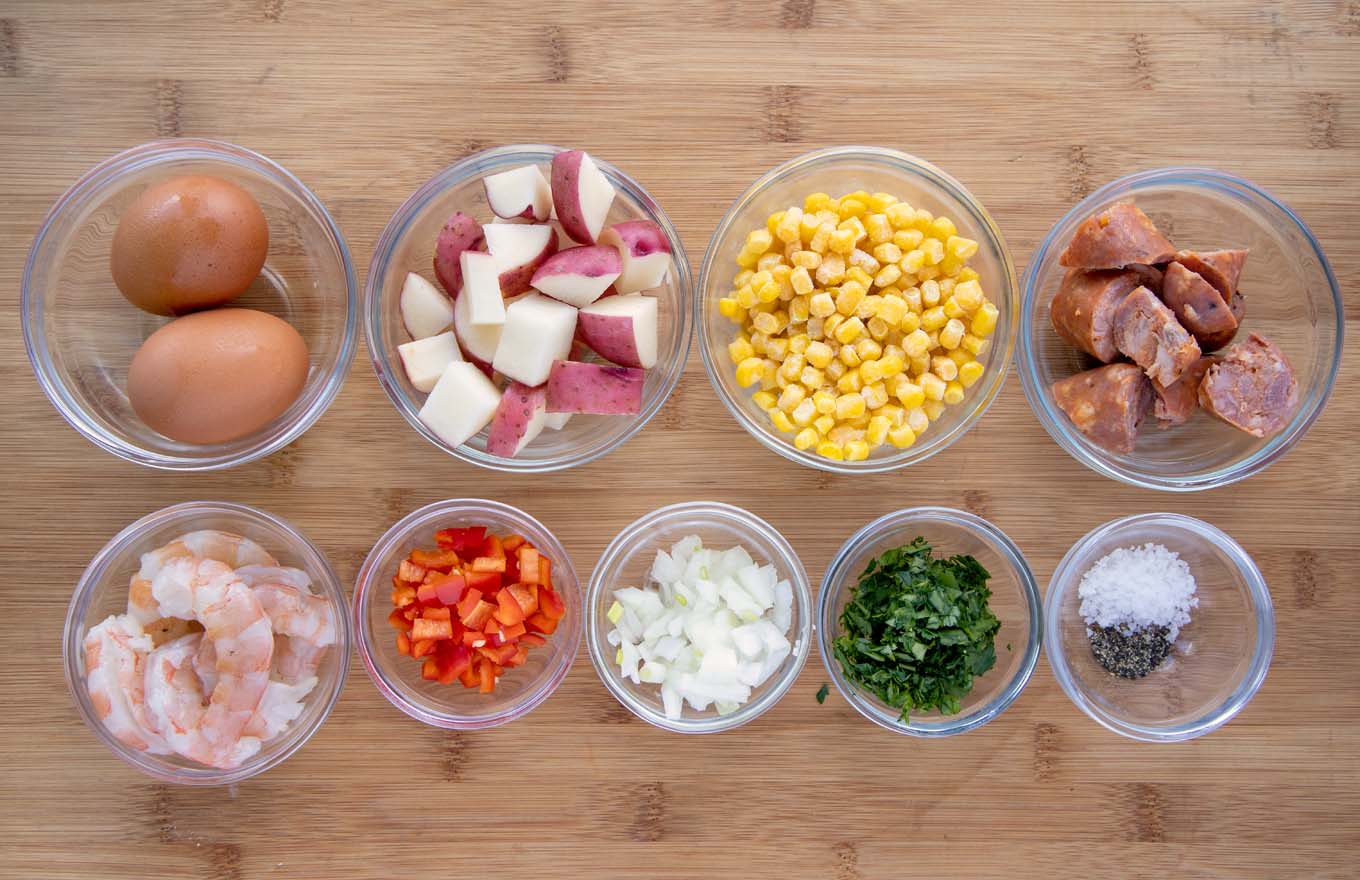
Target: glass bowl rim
[
  {"x": 913, "y": 166},
  {"x": 1055, "y": 423},
  {"x": 744, "y": 521},
  {"x": 994, "y": 537},
  {"x": 472, "y": 166},
  {"x": 107, "y": 172},
  {"x": 1262, "y": 608},
  {"x": 92, "y": 576},
  {"x": 367, "y": 584}
]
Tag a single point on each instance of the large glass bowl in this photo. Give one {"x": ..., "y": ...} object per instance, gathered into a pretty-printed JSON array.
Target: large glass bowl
[
  {"x": 81, "y": 334},
  {"x": 1015, "y": 601},
  {"x": 407, "y": 245},
  {"x": 103, "y": 590},
  {"x": 1219, "y": 660},
  {"x": 836, "y": 171},
  {"x": 1291, "y": 297}
]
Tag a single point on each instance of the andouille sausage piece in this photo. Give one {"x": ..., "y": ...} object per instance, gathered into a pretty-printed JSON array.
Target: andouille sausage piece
[
  {"x": 1151, "y": 276},
  {"x": 1177, "y": 402},
  {"x": 1222, "y": 269},
  {"x": 1116, "y": 237},
  {"x": 1215, "y": 341},
  {"x": 1083, "y": 310},
  {"x": 1253, "y": 388},
  {"x": 1106, "y": 404},
  {"x": 1147, "y": 331},
  {"x": 1197, "y": 304}
]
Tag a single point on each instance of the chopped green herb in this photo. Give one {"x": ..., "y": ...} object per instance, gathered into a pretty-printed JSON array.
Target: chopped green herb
[
  {"x": 822, "y": 692},
  {"x": 917, "y": 630},
  {"x": 1008, "y": 646}
]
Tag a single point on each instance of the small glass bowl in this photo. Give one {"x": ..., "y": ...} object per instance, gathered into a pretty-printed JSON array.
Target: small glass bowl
[
  {"x": 627, "y": 562},
  {"x": 407, "y": 245},
  {"x": 1291, "y": 297},
  {"x": 103, "y": 590},
  {"x": 1219, "y": 660},
  {"x": 839, "y": 170},
  {"x": 1015, "y": 601},
  {"x": 397, "y": 677},
  {"x": 81, "y": 334}
]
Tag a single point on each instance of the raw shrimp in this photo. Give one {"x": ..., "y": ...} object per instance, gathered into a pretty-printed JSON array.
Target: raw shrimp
[
  {"x": 233, "y": 550},
  {"x": 304, "y": 623},
  {"x": 209, "y": 591},
  {"x": 115, "y": 658},
  {"x": 280, "y": 707}
]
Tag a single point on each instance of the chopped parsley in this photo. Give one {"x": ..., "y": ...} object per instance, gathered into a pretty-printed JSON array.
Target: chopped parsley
[
  {"x": 917, "y": 629},
  {"x": 822, "y": 692}
]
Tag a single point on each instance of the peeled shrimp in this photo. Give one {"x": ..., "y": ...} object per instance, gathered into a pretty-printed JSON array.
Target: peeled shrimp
[
  {"x": 280, "y": 707},
  {"x": 208, "y": 591},
  {"x": 305, "y": 623},
  {"x": 115, "y": 654},
  {"x": 232, "y": 550}
]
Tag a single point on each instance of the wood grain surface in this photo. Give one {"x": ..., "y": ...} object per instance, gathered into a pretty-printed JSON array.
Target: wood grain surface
[{"x": 1031, "y": 104}]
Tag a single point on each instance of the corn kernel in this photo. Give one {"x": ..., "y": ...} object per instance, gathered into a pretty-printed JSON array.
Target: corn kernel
[
  {"x": 973, "y": 344},
  {"x": 933, "y": 319},
  {"x": 878, "y": 228},
  {"x": 816, "y": 327},
  {"x": 824, "y": 424},
  {"x": 831, "y": 271},
  {"x": 842, "y": 241},
  {"x": 930, "y": 293},
  {"x": 793, "y": 394},
  {"x": 952, "y": 334},
  {"x": 827, "y": 449},
  {"x": 916, "y": 344},
  {"x": 769, "y": 376},
  {"x": 960, "y": 357},
  {"x": 787, "y": 228},
  {"x": 969, "y": 373},
  {"x": 746, "y": 297},
  {"x": 749, "y": 371},
  {"x": 849, "y": 405},
  {"x": 891, "y": 309},
  {"x": 895, "y": 414},
  {"x": 912, "y": 261},
  {"x": 909, "y": 393},
  {"x": 887, "y": 252},
  {"x": 804, "y": 412},
  {"x": 944, "y": 367},
  {"x": 874, "y": 394},
  {"x": 934, "y": 337},
  {"x": 868, "y": 307},
  {"x": 927, "y": 273},
  {"x": 864, "y": 262},
  {"x": 851, "y": 207},
  {"x": 766, "y": 323},
  {"x": 968, "y": 274},
  {"x": 825, "y": 402},
  {"x": 848, "y": 331},
  {"x": 821, "y": 239},
  {"x": 902, "y": 437},
  {"x": 799, "y": 310},
  {"x": 780, "y": 271},
  {"x": 740, "y": 349},
  {"x": 746, "y": 259},
  {"x": 890, "y": 365},
  {"x": 729, "y": 308},
  {"x": 854, "y": 224},
  {"x": 850, "y": 382},
  {"x": 808, "y": 260},
  {"x": 878, "y": 328},
  {"x": 763, "y": 399},
  {"x": 867, "y": 349},
  {"x": 869, "y": 371},
  {"x": 849, "y": 356},
  {"x": 922, "y": 219},
  {"x": 917, "y": 420},
  {"x": 900, "y": 215},
  {"x": 777, "y": 349},
  {"x": 758, "y": 242},
  {"x": 821, "y": 304},
  {"x": 933, "y": 409},
  {"x": 806, "y": 438},
  {"x": 856, "y": 450},
  {"x": 888, "y": 275},
  {"x": 932, "y": 385},
  {"x": 848, "y": 300},
  {"x": 942, "y": 228},
  {"x": 918, "y": 366},
  {"x": 952, "y": 308},
  {"x": 984, "y": 320},
  {"x": 799, "y": 343},
  {"x": 933, "y": 248},
  {"x": 963, "y": 248},
  {"x": 781, "y": 420},
  {"x": 812, "y": 378},
  {"x": 946, "y": 285},
  {"x": 801, "y": 281},
  {"x": 819, "y": 354},
  {"x": 878, "y": 429},
  {"x": 835, "y": 370},
  {"x": 769, "y": 293},
  {"x": 912, "y": 297},
  {"x": 907, "y": 239},
  {"x": 953, "y": 393},
  {"x": 769, "y": 261},
  {"x": 743, "y": 278},
  {"x": 816, "y": 202},
  {"x": 969, "y": 295}
]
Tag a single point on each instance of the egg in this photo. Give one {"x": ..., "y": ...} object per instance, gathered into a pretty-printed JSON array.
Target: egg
[
  {"x": 213, "y": 377},
  {"x": 188, "y": 243}
]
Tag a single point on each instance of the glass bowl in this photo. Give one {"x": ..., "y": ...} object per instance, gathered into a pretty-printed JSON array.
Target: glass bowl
[
  {"x": 1015, "y": 601},
  {"x": 839, "y": 170},
  {"x": 81, "y": 334},
  {"x": 103, "y": 590},
  {"x": 397, "y": 677},
  {"x": 1219, "y": 660},
  {"x": 407, "y": 245},
  {"x": 1291, "y": 297},
  {"x": 627, "y": 561}
]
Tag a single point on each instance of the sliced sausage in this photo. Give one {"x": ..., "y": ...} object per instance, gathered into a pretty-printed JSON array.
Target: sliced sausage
[
  {"x": 1106, "y": 404},
  {"x": 1197, "y": 304},
  {"x": 1151, "y": 276},
  {"x": 1083, "y": 310},
  {"x": 1214, "y": 341},
  {"x": 1222, "y": 269},
  {"x": 1148, "y": 332},
  {"x": 1252, "y": 388},
  {"x": 1114, "y": 238},
  {"x": 1177, "y": 402}
]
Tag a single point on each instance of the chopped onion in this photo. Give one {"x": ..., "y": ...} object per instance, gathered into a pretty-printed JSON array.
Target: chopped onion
[{"x": 710, "y": 629}]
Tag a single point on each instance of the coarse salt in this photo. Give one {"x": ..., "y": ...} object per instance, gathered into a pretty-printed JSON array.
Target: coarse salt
[{"x": 1134, "y": 588}]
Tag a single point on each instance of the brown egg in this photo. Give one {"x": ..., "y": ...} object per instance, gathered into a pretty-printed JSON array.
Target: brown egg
[
  {"x": 217, "y": 376},
  {"x": 188, "y": 243}
]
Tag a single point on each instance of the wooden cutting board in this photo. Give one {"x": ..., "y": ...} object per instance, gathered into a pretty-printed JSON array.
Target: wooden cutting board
[{"x": 1032, "y": 105}]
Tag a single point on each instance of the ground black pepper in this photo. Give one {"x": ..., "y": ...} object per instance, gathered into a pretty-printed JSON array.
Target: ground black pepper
[{"x": 1129, "y": 656}]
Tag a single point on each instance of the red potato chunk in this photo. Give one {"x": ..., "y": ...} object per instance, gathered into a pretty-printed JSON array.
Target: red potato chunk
[
  {"x": 1253, "y": 388},
  {"x": 460, "y": 233},
  {"x": 1116, "y": 237},
  {"x": 1106, "y": 404},
  {"x": 594, "y": 388},
  {"x": 1147, "y": 331}
]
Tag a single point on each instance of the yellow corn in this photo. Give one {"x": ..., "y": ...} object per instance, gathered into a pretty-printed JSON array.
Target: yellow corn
[
  {"x": 849, "y": 355},
  {"x": 918, "y": 365},
  {"x": 917, "y": 420},
  {"x": 969, "y": 373},
  {"x": 932, "y": 385},
  {"x": 888, "y": 275},
  {"x": 959, "y": 357},
  {"x": 867, "y": 349},
  {"x": 930, "y": 293},
  {"x": 819, "y": 354},
  {"x": 927, "y": 273},
  {"x": 799, "y": 343},
  {"x": 816, "y": 202},
  {"x": 804, "y": 412},
  {"x": 821, "y": 305},
  {"x": 878, "y": 228},
  {"x": 856, "y": 450},
  {"x": 942, "y": 228},
  {"x": 769, "y": 261},
  {"x": 740, "y": 349},
  {"x": 934, "y": 319},
  {"x": 890, "y": 365},
  {"x": 849, "y": 383},
  {"x": 769, "y": 293},
  {"x": 944, "y": 367},
  {"x": 777, "y": 349},
  {"x": 801, "y": 281},
  {"x": 887, "y": 252},
  {"x": 842, "y": 241},
  {"x": 922, "y": 219},
  {"x": 786, "y": 229},
  {"x": 963, "y": 248},
  {"x": 758, "y": 242},
  {"x": 792, "y": 395},
  {"x": 968, "y": 294},
  {"x": 825, "y": 402},
  {"x": 746, "y": 297},
  {"x": 729, "y": 308},
  {"x": 833, "y": 451},
  {"x": 824, "y": 424},
  {"x": 749, "y": 371},
  {"x": 912, "y": 261},
  {"x": 916, "y": 343},
  {"x": 984, "y": 320},
  {"x": 968, "y": 274},
  {"x": 849, "y": 206},
  {"x": 892, "y": 309},
  {"x": 933, "y": 409},
  {"x": 812, "y": 378},
  {"x": 908, "y": 239},
  {"x": 806, "y": 438},
  {"x": 831, "y": 271},
  {"x": 953, "y": 393},
  {"x": 952, "y": 308},
  {"x": 763, "y": 399},
  {"x": 910, "y": 394},
  {"x": 878, "y": 429},
  {"x": 973, "y": 344},
  {"x": 848, "y": 300},
  {"x": 806, "y": 260},
  {"x": 862, "y": 261},
  {"x": 859, "y": 276},
  {"x": 874, "y": 394},
  {"x": 849, "y": 331},
  {"x": 900, "y": 215},
  {"x": 781, "y": 420},
  {"x": 946, "y": 285},
  {"x": 799, "y": 310},
  {"x": 836, "y": 369},
  {"x": 951, "y": 335},
  {"x": 821, "y": 239},
  {"x": 816, "y": 327}
]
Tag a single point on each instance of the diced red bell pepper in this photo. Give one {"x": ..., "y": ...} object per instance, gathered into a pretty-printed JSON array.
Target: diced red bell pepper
[
  {"x": 541, "y": 623},
  {"x": 489, "y": 563},
  {"x": 437, "y": 612},
  {"x": 477, "y": 618},
  {"x": 488, "y": 582},
  {"x": 486, "y": 678},
  {"x": 492, "y": 546},
  {"x": 429, "y": 670},
  {"x": 511, "y": 543},
  {"x": 498, "y": 654},
  {"x": 450, "y": 589},
  {"x": 461, "y": 540},
  {"x": 403, "y": 595},
  {"x": 509, "y": 613},
  {"x": 474, "y": 638},
  {"x": 521, "y": 654},
  {"x": 544, "y": 570},
  {"x": 510, "y": 634},
  {"x": 550, "y": 604},
  {"x": 431, "y": 629},
  {"x": 532, "y": 640},
  {"x": 397, "y": 619},
  {"x": 426, "y": 595},
  {"x": 442, "y": 559},
  {"x": 411, "y": 572},
  {"x": 468, "y": 677},
  {"x": 469, "y": 601},
  {"x": 526, "y": 598},
  {"x": 404, "y": 644},
  {"x": 528, "y": 565},
  {"x": 422, "y": 647}
]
